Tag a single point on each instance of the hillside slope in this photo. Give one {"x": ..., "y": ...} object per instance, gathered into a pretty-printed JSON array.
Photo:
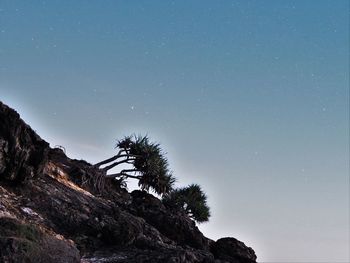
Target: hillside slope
[{"x": 55, "y": 209}]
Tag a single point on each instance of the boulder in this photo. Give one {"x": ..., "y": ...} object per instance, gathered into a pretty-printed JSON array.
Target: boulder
[{"x": 232, "y": 250}]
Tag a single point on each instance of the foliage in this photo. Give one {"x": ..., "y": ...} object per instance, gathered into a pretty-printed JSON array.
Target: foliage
[
  {"x": 190, "y": 199},
  {"x": 10, "y": 227},
  {"x": 150, "y": 168},
  {"x": 148, "y": 162}
]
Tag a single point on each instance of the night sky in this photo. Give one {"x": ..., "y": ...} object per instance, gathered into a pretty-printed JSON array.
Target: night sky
[{"x": 250, "y": 99}]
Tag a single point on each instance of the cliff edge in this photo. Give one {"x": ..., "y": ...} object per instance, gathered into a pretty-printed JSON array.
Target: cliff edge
[{"x": 55, "y": 209}]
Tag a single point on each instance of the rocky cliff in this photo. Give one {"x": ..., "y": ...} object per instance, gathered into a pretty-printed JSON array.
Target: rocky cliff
[{"x": 55, "y": 209}]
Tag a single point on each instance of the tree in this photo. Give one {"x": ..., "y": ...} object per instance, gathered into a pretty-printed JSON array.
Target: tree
[
  {"x": 191, "y": 200},
  {"x": 147, "y": 161}
]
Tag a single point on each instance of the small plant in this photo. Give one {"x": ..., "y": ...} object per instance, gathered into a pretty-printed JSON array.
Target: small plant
[
  {"x": 191, "y": 200},
  {"x": 12, "y": 227}
]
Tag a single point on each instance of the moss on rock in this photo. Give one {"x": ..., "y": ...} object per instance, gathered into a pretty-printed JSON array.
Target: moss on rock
[{"x": 20, "y": 242}]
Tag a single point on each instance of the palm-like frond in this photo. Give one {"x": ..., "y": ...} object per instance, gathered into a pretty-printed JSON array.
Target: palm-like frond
[
  {"x": 148, "y": 159},
  {"x": 190, "y": 199}
]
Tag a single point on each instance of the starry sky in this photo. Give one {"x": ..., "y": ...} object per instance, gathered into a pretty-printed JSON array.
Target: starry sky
[{"x": 250, "y": 99}]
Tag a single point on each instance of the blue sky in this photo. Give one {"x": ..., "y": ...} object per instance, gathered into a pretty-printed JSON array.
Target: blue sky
[{"x": 250, "y": 99}]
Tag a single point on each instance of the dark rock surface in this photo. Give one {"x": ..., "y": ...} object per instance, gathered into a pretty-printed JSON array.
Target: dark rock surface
[
  {"x": 183, "y": 230},
  {"x": 22, "y": 152},
  {"x": 20, "y": 242},
  {"x": 66, "y": 212},
  {"x": 232, "y": 250}
]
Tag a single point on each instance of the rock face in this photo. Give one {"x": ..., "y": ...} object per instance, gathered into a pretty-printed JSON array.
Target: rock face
[
  {"x": 55, "y": 209},
  {"x": 20, "y": 242},
  {"x": 183, "y": 230},
  {"x": 22, "y": 152},
  {"x": 232, "y": 250}
]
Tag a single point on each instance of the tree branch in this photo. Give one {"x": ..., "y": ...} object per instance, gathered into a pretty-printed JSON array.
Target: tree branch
[
  {"x": 123, "y": 174},
  {"x": 128, "y": 160},
  {"x": 115, "y": 157}
]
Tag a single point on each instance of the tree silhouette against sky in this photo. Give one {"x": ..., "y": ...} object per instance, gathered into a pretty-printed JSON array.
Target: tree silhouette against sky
[
  {"x": 147, "y": 164},
  {"x": 191, "y": 200}
]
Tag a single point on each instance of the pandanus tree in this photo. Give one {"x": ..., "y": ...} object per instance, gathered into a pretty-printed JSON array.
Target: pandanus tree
[
  {"x": 145, "y": 162},
  {"x": 191, "y": 200}
]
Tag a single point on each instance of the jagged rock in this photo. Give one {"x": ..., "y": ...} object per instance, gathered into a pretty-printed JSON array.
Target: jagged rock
[
  {"x": 23, "y": 153},
  {"x": 232, "y": 250},
  {"x": 69, "y": 199},
  {"x": 178, "y": 227}
]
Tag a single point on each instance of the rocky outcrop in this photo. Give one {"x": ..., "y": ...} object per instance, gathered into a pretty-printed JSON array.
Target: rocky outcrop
[
  {"x": 67, "y": 212},
  {"x": 232, "y": 250},
  {"x": 183, "y": 230},
  {"x": 23, "y": 153}
]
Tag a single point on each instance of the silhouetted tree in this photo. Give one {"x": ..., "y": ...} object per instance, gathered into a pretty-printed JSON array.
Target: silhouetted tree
[
  {"x": 148, "y": 164},
  {"x": 190, "y": 199}
]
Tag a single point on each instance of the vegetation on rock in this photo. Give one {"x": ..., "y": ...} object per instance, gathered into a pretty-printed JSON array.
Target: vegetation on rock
[
  {"x": 69, "y": 208},
  {"x": 190, "y": 199},
  {"x": 148, "y": 164},
  {"x": 150, "y": 167},
  {"x": 23, "y": 242}
]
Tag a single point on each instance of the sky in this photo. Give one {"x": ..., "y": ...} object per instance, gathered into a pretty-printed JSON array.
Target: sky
[{"x": 249, "y": 99}]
